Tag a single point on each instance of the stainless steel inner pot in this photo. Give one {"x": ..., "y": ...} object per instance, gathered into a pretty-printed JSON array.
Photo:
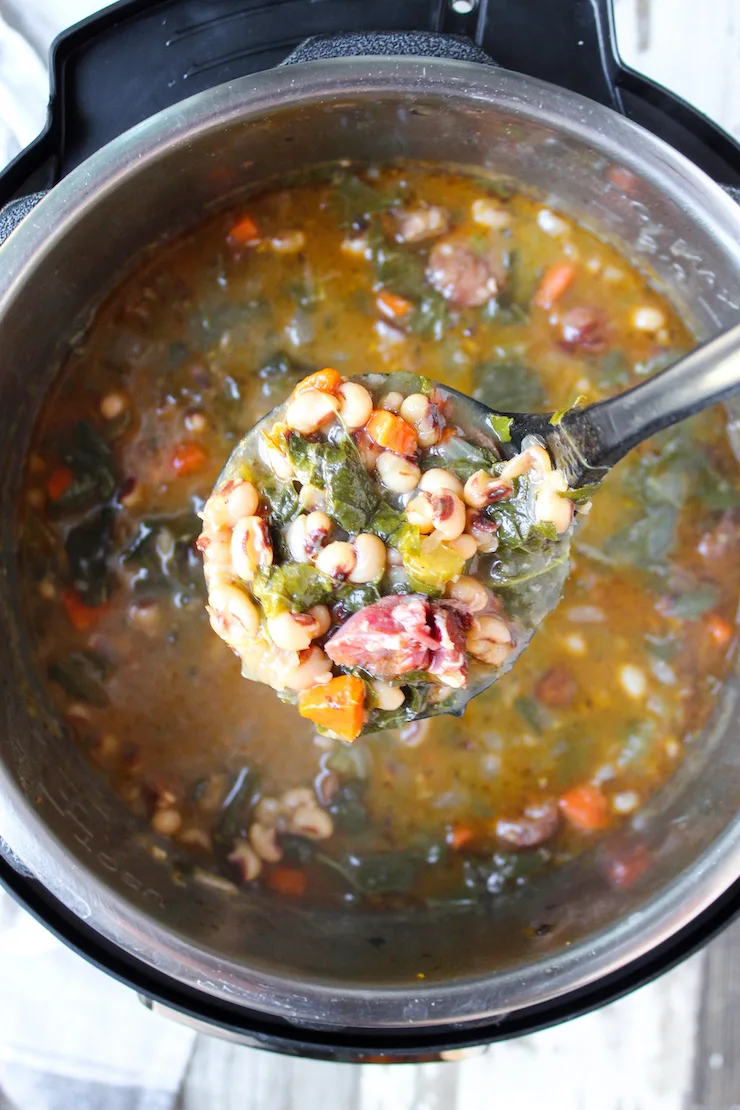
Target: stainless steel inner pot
[{"x": 350, "y": 968}]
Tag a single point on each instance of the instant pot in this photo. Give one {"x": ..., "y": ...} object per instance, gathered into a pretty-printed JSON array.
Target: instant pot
[{"x": 161, "y": 111}]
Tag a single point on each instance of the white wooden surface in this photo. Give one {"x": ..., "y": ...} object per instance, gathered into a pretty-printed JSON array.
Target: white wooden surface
[{"x": 671, "y": 1045}]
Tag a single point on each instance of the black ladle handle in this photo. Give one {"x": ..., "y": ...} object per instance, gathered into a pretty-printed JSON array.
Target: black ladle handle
[{"x": 589, "y": 441}]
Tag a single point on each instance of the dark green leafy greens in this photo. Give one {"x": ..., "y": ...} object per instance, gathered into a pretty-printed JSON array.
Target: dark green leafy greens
[
  {"x": 508, "y": 386},
  {"x": 356, "y": 200},
  {"x": 677, "y": 471},
  {"x": 350, "y": 599},
  {"x": 694, "y": 602},
  {"x": 93, "y": 467},
  {"x": 88, "y": 547},
  {"x": 294, "y": 586},
  {"x": 235, "y": 816},
  {"x": 461, "y": 457},
  {"x": 82, "y": 675},
  {"x": 336, "y": 467},
  {"x": 280, "y": 375},
  {"x": 161, "y": 556},
  {"x": 403, "y": 271},
  {"x": 517, "y": 527}
]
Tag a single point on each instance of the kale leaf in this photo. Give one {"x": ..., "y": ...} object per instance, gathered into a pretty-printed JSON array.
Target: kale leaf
[
  {"x": 295, "y": 586},
  {"x": 88, "y": 548},
  {"x": 508, "y": 386}
]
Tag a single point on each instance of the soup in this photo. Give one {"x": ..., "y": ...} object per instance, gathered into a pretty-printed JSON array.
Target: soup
[{"x": 204, "y": 337}]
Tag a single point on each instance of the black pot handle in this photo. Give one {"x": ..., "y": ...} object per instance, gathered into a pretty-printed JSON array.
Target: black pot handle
[
  {"x": 422, "y": 44},
  {"x": 137, "y": 57},
  {"x": 17, "y": 210}
]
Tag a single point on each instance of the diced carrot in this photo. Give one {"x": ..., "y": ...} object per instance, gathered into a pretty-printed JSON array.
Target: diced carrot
[
  {"x": 720, "y": 630},
  {"x": 555, "y": 281},
  {"x": 188, "y": 458},
  {"x": 287, "y": 880},
  {"x": 459, "y": 836},
  {"x": 338, "y": 705},
  {"x": 81, "y": 616},
  {"x": 585, "y": 806},
  {"x": 244, "y": 232},
  {"x": 59, "y": 482},
  {"x": 391, "y": 432},
  {"x": 393, "y": 306},
  {"x": 327, "y": 380}
]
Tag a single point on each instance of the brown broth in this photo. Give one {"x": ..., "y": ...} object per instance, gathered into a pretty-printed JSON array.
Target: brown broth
[{"x": 185, "y": 340}]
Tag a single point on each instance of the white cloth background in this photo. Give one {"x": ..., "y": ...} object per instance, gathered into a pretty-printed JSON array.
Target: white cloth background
[{"x": 73, "y": 1039}]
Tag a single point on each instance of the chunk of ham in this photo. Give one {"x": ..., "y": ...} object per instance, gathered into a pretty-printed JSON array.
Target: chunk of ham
[
  {"x": 386, "y": 639},
  {"x": 401, "y": 634},
  {"x": 449, "y": 661}
]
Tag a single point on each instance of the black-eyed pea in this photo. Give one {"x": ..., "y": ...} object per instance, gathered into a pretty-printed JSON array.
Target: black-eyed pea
[
  {"x": 534, "y": 457},
  {"x": 146, "y": 616},
  {"x": 166, "y": 822},
  {"x": 420, "y": 513},
  {"x": 391, "y": 402},
  {"x": 489, "y": 640},
  {"x": 355, "y": 246},
  {"x": 273, "y": 454},
  {"x": 549, "y": 504},
  {"x": 397, "y": 473},
  {"x": 370, "y": 554},
  {"x": 388, "y": 697},
  {"x": 196, "y": 422},
  {"x": 292, "y": 631},
  {"x": 244, "y": 857},
  {"x": 240, "y": 500},
  {"x": 311, "y": 498},
  {"x": 264, "y": 840},
  {"x": 448, "y": 514},
  {"x": 251, "y": 547},
  {"x": 307, "y": 412},
  {"x": 437, "y": 479},
  {"x": 486, "y": 213},
  {"x": 483, "y": 530},
  {"x": 424, "y": 417},
  {"x": 297, "y": 796},
  {"x": 647, "y": 318},
  {"x": 469, "y": 593},
  {"x": 234, "y": 616},
  {"x": 465, "y": 545},
  {"x": 107, "y": 749},
  {"x": 306, "y": 535},
  {"x": 193, "y": 837},
  {"x": 113, "y": 405},
  {"x": 268, "y": 811},
  {"x": 215, "y": 547},
  {"x": 337, "y": 560},
  {"x": 356, "y": 404},
  {"x": 483, "y": 489},
  {"x": 311, "y": 821},
  {"x": 322, "y": 620},
  {"x": 288, "y": 242},
  {"x": 313, "y": 669}
]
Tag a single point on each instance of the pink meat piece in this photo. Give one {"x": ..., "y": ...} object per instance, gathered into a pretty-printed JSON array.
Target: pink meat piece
[
  {"x": 450, "y": 661},
  {"x": 389, "y": 638}
]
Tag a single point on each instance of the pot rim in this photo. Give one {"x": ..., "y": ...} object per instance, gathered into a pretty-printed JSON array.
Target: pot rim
[{"x": 471, "y": 999}]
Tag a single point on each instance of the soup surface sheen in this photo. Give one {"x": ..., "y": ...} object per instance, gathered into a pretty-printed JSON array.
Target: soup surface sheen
[{"x": 208, "y": 334}]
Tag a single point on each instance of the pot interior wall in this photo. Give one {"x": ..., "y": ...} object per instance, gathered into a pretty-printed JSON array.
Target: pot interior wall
[{"x": 235, "y": 946}]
